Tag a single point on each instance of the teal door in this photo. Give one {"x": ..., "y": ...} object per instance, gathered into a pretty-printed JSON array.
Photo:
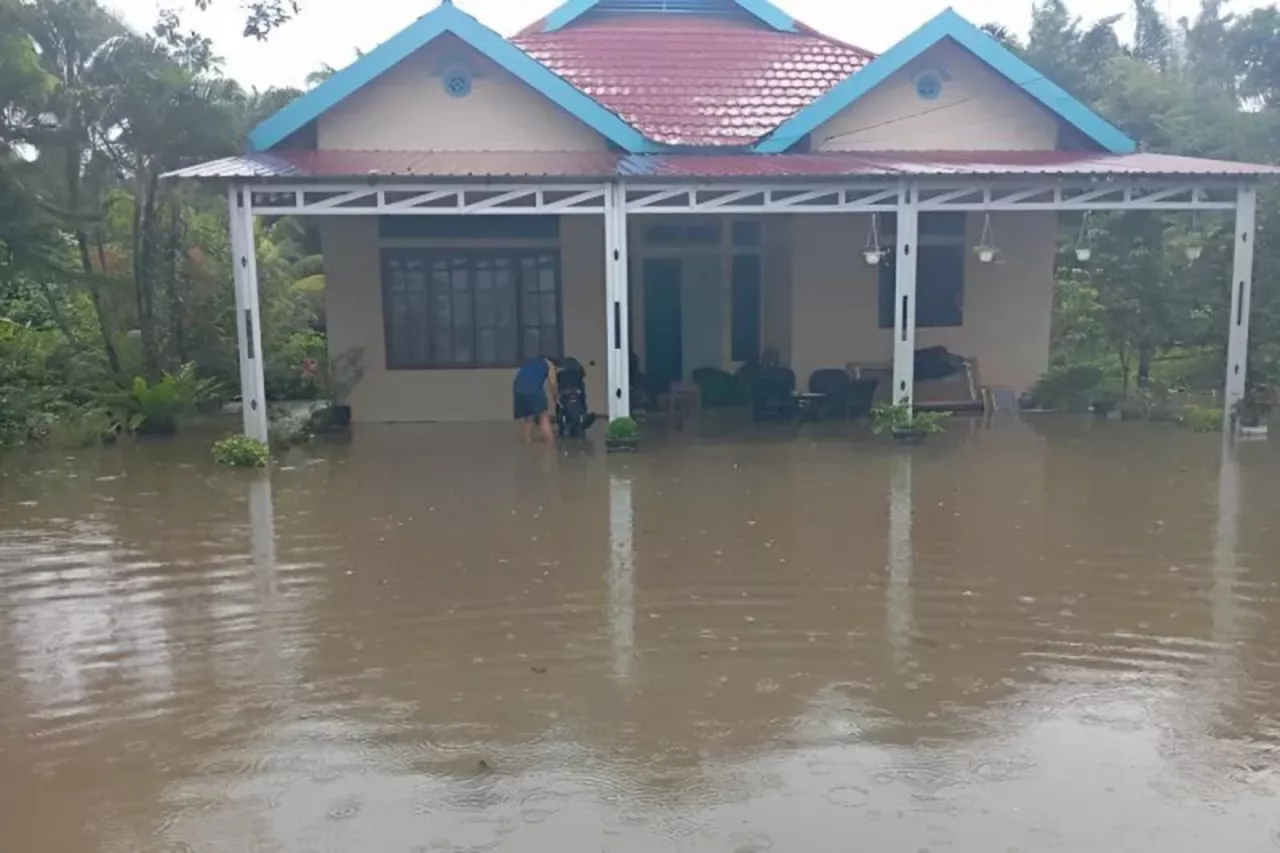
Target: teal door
[{"x": 663, "y": 347}]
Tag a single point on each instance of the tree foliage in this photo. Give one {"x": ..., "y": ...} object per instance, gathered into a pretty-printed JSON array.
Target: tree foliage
[
  {"x": 1143, "y": 306},
  {"x": 262, "y": 16},
  {"x": 107, "y": 272}
]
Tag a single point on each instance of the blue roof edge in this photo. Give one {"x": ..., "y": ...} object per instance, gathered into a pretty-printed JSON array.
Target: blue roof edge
[
  {"x": 442, "y": 19},
  {"x": 763, "y": 10},
  {"x": 948, "y": 24}
]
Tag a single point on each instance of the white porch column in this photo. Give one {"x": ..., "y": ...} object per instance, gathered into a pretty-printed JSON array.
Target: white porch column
[
  {"x": 904, "y": 305},
  {"x": 248, "y": 326},
  {"x": 1241, "y": 289},
  {"x": 617, "y": 301}
]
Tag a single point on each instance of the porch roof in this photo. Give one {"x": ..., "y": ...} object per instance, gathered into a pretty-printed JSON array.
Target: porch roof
[{"x": 435, "y": 166}]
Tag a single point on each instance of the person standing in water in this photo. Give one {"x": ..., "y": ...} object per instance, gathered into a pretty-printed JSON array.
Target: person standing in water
[{"x": 534, "y": 392}]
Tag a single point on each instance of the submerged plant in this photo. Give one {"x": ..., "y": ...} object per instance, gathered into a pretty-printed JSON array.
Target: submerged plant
[
  {"x": 1202, "y": 418},
  {"x": 240, "y": 451}
]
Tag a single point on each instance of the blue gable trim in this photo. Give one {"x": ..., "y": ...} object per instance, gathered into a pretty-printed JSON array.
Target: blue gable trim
[
  {"x": 446, "y": 19},
  {"x": 950, "y": 25},
  {"x": 765, "y": 11}
]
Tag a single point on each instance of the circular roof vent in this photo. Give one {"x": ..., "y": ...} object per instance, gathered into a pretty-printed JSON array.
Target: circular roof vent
[
  {"x": 457, "y": 81},
  {"x": 929, "y": 84}
]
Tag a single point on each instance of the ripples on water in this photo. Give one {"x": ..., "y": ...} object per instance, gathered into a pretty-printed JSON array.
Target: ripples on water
[{"x": 1045, "y": 636}]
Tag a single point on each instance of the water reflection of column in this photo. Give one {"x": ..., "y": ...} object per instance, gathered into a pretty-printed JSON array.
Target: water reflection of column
[
  {"x": 1224, "y": 604},
  {"x": 898, "y": 617},
  {"x": 262, "y": 545},
  {"x": 621, "y": 578},
  {"x": 262, "y": 521}
]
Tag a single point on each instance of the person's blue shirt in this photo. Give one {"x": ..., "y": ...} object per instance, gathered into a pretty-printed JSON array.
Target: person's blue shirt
[{"x": 531, "y": 378}]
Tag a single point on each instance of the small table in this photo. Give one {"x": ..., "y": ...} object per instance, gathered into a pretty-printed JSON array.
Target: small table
[{"x": 807, "y": 405}]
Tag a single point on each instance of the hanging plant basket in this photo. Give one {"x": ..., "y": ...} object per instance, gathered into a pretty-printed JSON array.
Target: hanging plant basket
[
  {"x": 873, "y": 253},
  {"x": 986, "y": 249}
]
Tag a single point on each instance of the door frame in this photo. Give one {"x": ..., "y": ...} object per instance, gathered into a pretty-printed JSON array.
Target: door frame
[{"x": 639, "y": 251}]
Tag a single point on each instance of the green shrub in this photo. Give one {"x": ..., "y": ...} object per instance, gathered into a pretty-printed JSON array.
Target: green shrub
[
  {"x": 158, "y": 406},
  {"x": 240, "y": 451},
  {"x": 887, "y": 417},
  {"x": 1073, "y": 389},
  {"x": 1202, "y": 418},
  {"x": 295, "y": 370},
  {"x": 622, "y": 429},
  {"x": 17, "y": 407}
]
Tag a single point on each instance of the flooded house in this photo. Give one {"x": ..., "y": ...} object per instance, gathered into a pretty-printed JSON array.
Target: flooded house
[{"x": 664, "y": 187}]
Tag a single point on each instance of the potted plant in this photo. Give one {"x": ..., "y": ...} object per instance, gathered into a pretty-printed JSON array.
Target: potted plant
[
  {"x": 622, "y": 434},
  {"x": 342, "y": 374},
  {"x": 903, "y": 423}
]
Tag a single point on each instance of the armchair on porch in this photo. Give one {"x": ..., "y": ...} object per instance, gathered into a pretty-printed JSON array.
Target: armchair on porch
[
  {"x": 832, "y": 389},
  {"x": 773, "y": 394}
]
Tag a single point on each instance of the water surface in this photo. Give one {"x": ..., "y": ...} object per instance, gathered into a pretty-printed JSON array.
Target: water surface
[{"x": 1055, "y": 635}]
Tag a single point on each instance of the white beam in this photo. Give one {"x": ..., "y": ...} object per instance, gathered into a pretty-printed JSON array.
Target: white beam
[
  {"x": 1241, "y": 292},
  {"x": 383, "y": 199},
  {"x": 904, "y": 303},
  {"x": 1047, "y": 193},
  {"x": 248, "y": 315},
  {"x": 617, "y": 302}
]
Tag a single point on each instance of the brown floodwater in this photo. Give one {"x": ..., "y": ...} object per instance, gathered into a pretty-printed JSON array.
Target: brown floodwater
[{"x": 1044, "y": 635}]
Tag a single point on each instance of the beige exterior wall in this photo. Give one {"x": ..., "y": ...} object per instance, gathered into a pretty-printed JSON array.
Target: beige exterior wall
[
  {"x": 1008, "y": 306},
  {"x": 820, "y": 309},
  {"x": 353, "y": 305},
  {"x": 407, "y": 109},
  {"x": 978, "y": 110}
]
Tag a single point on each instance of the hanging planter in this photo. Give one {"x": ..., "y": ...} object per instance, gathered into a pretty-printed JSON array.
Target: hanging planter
[
  {"x": 1195, "y": 243},
  {"x": 873, "y": 253},
  {"x": 1084, "y": 251},
  {"x": 986, "y": 250}
]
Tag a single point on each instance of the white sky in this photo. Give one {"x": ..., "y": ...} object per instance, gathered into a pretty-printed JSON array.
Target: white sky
[{"x": 330, "y": 30}]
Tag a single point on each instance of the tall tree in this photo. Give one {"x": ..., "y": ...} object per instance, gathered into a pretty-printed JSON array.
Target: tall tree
[
  {"x": 77, "y": 42},
  {"x": 170, "y": 109}
]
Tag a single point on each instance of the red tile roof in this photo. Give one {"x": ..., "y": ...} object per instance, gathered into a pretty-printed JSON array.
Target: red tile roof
[
  {"x": 604, "y": 165},
  {"x": 695, "y": 81}
]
